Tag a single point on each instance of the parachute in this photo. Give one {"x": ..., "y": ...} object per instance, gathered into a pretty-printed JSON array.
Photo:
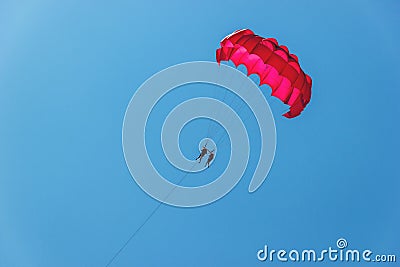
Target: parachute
[{"x": 274, "y": 65}]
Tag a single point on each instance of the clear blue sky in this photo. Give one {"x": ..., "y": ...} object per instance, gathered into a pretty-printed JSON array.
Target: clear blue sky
[{"x": 68, "y": 70}]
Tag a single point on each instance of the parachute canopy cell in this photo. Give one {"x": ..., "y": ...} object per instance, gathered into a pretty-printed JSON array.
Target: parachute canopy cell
[{"x": 274, "y": 65}]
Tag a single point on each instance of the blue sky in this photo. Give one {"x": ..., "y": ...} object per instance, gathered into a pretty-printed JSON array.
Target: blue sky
[{"x": 68, "y": 70}]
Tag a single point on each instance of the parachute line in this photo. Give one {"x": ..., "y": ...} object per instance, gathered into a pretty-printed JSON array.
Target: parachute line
[{"x": 146, "y": 220}]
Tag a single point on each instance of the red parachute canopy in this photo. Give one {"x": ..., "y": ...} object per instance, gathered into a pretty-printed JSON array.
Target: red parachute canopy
[{"x": 274, "y": 65}]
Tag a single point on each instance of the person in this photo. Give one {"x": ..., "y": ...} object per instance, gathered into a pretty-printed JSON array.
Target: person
[
  {"x": 210, "y": 158},
  {"x": 202, "y": 153}
]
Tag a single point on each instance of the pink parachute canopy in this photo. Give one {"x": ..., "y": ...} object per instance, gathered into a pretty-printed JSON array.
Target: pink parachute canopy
[{"x": 274, "y": 65}]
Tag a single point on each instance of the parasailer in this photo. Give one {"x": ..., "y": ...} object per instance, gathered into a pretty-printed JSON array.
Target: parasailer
[
  {"x": 203, "y": 152},
  {"x": 210, "y": 158},
  {"x": 274, "y": 65}
]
